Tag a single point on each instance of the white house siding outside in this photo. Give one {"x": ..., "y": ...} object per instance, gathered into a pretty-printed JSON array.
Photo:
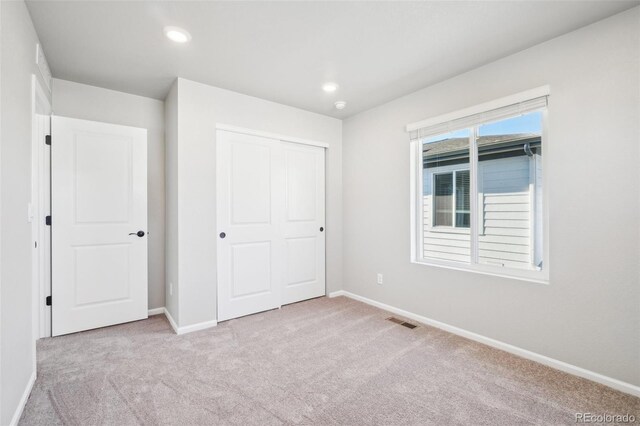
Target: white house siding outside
[{"x": 509, "y": 197}]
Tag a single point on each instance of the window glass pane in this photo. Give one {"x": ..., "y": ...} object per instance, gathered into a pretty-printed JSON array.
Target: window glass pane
[
  {"x": 510, "y": 192},
  {"x": 463, "y": 208},
  {"x": 445, "y": 201}
]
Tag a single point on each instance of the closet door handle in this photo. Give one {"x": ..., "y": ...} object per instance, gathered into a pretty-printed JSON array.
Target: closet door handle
[
  {"x": 321, "y": 229},
  {"x": 139, "y": 233},
  {"x": 222, "y": 235}
]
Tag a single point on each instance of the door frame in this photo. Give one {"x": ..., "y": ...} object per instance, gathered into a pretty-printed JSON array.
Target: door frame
[
  {"x": 40, "y": 187},
  {"x": 283, "y": 138},
  {"x": 279, "y": 138}
]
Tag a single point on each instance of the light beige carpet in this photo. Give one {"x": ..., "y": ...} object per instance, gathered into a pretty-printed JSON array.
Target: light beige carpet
[{"x": 324, "y": 361}]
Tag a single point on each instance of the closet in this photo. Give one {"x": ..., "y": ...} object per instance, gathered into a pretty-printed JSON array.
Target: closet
[{"x": 270, "y": 223}]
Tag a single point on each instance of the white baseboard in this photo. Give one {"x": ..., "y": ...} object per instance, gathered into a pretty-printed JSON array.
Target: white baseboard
[
  {"x": 524, "y": 353},
  {"x": 197, "y": 327},
  {"x": 188, "y": 328},
  {"x": 156, "y": 311},
  {"x": 23, "y": 400},
  {"x": 171, "y": 321}
]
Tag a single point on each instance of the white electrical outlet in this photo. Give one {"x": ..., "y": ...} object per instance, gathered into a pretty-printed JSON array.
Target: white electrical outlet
[
  {"x": 380, "y": 279},
  {"x": 170, "y": 289}
]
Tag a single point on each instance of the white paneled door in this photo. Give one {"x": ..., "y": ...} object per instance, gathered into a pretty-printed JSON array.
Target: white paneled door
[
  {"x": 303, "y": 223},
  {"x": 270, "y": 198},
  {"x": 249, "y": 205},
  {"x": 99, "y": 224}
]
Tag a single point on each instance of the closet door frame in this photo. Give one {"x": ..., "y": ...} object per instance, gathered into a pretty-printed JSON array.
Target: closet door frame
[{"x": 270, "y": 135}]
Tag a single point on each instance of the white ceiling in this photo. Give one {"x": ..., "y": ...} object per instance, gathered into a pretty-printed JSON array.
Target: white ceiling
[{"x": 284, "y": 51}]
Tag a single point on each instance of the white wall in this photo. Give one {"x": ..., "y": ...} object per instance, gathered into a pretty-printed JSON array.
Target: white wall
[
  {"x": 94, "y": 103},
  {"x": 171, "y": 206},
  {"x": 1, "y": 26},
  {"x": 589, "y": 314},
  {"x": 200, "y": 107},
  {"x": 17, "y": 347}
]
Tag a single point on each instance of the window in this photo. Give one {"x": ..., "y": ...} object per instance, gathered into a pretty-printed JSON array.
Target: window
[
  {"x": 451, "y": 199},
  {"x": 480, "y": 191},
  {"x": 443, "y": 200}
]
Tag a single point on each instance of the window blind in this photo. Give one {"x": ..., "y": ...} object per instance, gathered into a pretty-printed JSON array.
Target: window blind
[
  {"x": 443, "y": 200},
  {"x": 457, "y": 121}
]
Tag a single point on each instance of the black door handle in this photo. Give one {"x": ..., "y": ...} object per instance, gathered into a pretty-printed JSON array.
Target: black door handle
[
  {"x": 321, "y": 229},
  {"x": 222, "y": 235},
  {"x": 139, "y": 233}
]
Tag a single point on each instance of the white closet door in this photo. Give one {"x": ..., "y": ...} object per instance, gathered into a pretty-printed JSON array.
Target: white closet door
[
  {"x": 99, "y": 224},
  {"x": 249, "y": 207},
  {"x": 303, "y": 223}
]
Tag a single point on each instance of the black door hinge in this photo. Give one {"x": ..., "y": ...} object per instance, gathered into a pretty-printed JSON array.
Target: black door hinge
[
  {"x": 47, "y": 140},
  {"x": 47, "y": 301},
  {"x": 47, "y": 220}
]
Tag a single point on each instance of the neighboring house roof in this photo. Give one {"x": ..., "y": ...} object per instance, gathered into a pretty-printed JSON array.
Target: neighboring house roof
[{"x": 458, "y": 148}]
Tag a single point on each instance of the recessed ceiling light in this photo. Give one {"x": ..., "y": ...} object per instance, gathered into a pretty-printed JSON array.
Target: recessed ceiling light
[
  {"x": 329, "y": 87},
  {"x": 340, "y": 104},
  {"x": 177, "y": 34}
]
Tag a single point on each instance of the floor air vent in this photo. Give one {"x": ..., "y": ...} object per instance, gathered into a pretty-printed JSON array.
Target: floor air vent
[{"x": 402, "y": 322}]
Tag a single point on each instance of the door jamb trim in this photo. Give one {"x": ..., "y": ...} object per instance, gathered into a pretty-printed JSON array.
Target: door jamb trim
[
  {"x": 39, "y": 98},
  {"x": 245, "y": 131}
]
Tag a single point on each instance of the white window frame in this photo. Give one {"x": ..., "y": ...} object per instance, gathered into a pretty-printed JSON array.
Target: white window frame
[{"x": 417, "y": 195}]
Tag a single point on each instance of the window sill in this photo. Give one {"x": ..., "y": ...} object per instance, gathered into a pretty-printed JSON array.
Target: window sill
[{"x": 537, "y": 277}]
